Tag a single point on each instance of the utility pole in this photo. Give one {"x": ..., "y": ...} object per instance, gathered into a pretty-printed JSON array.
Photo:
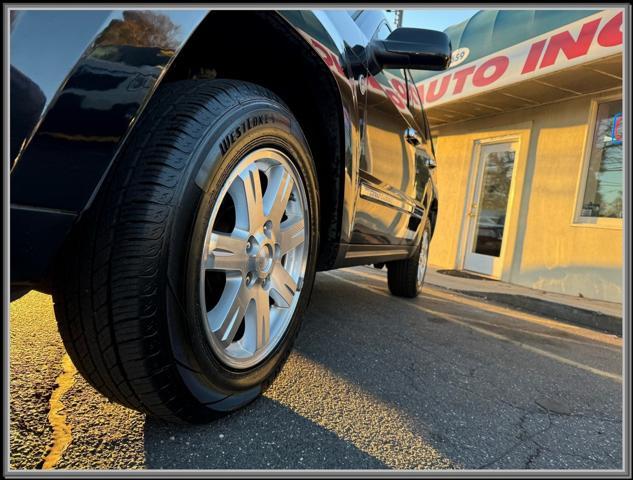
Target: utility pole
[{"x": 398, "y": 19}]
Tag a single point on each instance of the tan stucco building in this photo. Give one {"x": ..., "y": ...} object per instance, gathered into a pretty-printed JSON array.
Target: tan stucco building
[{"x": 528, "y": 137}]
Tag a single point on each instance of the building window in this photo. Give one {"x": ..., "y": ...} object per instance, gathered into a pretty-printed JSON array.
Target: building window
[{"x": 603, "y": 187}]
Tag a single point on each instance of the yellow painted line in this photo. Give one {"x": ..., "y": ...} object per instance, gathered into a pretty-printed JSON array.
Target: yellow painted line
[
  {"x": 518, "y": 315},
  {"x": 483, "y": 331},
  {"x": 62, "y": 435}
]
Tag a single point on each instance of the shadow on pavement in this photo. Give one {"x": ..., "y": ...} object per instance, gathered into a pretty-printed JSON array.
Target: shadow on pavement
[
  {"x": 264, "y": 435},
  {"x": 375, "y": 384}
]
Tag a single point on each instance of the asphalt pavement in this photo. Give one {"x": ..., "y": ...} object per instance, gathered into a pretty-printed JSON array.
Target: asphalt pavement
[{"x": 374, "y": 382}]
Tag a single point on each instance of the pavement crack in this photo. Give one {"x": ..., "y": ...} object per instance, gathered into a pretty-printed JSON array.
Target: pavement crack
[
  {"x": 533, "y": 456},
  {"x": 523, "y": 439},
  {"x": 568, "y": 454},
  {"x": 62, "y": 434}
]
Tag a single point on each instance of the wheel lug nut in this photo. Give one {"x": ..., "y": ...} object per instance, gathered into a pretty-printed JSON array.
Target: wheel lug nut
[
  {"x": 268, "y": 226},
  {"x": 249, "y": 277},
  {"x": 250, "y": 243}
]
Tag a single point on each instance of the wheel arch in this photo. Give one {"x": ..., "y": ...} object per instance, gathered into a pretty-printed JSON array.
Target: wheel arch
[
  {"x": 53, "y": 184},
  {"x": 266, "y": 49}
]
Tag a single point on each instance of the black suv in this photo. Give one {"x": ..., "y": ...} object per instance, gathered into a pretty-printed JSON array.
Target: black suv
[{"x": 178, "y": 177}]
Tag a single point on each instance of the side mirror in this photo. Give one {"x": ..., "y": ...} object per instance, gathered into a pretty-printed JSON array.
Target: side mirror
[{"x": 412, "y": 48}]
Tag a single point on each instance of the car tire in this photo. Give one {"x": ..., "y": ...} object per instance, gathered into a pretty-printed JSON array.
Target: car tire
[
  {"x": 406, "y": 277},
  {"x": 139, "y": 293}
]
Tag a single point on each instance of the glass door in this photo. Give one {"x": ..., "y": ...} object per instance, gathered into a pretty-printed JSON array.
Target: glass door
[{"x": 488, "y": 208}]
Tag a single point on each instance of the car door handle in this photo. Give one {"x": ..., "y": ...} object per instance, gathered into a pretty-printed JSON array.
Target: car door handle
[
  {"x": 412, "y": 136},
  {"x": 429, "y": 162}
]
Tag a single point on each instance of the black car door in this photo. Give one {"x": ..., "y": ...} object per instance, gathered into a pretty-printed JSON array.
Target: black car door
[
  {"x": 386, "y": 202},
  {"x": 424, "y": 152}
]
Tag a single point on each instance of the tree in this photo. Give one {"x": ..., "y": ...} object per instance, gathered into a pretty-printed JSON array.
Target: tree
[{"x": 140, "y": 29}]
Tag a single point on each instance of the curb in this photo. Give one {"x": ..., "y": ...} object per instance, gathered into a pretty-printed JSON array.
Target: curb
[{"x": 557, "y": 311}]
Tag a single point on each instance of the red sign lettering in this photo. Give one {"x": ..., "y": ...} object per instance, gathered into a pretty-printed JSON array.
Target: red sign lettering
[
  {"x": 564, "y": 42},
  {"x": 460, "y": 78},
  {"x": 533, "y": 57},
  {"x": 498, "y": 65},
  {"x": 611, "y": 33},
  {"x": 432, "y": 94},
  {"x": 399, "y": 86}
]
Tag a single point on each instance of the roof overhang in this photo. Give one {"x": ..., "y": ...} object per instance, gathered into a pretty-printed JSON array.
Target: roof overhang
[{"x": 580, "y": 58}]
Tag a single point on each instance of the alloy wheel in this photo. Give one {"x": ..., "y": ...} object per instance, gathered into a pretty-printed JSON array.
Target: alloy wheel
[
  {"x": 254, "y": 258},
  {"x": 423, "y": 259}
]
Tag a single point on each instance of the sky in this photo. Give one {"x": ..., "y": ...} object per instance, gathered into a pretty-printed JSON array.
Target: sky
[{"x": 434, "y": 18}]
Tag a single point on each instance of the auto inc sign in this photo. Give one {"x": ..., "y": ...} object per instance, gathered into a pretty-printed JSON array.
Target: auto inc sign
[{"x": 593, "y": 37}]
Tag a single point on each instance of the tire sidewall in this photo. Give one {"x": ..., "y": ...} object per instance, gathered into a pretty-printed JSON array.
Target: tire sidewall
[{"x": 220, "y": 149}]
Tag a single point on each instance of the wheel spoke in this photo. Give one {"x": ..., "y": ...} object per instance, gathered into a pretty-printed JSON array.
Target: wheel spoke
[
  {"x": 282, "y": 287},
  {"x": 227, "y": 251},
  {"x": 246, "y": 192},
  {"x": 291, "y": 235},
  {"x": 277, "y": 193},
  {"x": 262, "y": 260},
  {"x": 226, "y": 317},
  {"x": 262, "y": 317}
]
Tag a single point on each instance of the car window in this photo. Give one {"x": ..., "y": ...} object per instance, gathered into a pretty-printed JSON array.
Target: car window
[
  {"x": 369, "y": 21},
  {"x": 382, "y": 32}
]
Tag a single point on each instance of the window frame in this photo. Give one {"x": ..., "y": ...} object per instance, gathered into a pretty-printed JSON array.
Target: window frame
[
  {"x": 386, "y": 24},
  {"x": 368, "y": 22},
  {"x": 577, "y": 219}
]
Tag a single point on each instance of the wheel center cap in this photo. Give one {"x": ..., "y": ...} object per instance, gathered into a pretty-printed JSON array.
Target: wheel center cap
[{"x": 264, "y": 260}]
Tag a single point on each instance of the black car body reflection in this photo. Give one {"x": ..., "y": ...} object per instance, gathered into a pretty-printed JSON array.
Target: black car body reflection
[{"x": 69, "y": 121}]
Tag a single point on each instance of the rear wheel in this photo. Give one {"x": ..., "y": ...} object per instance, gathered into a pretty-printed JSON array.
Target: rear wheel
[
  {"x": 181, "y": 292},
  {"x": 406, "y": 277}
]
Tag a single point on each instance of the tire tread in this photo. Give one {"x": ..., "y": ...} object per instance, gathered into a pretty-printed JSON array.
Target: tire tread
[
  {"x": 108, "y": 274},
  {"x": 402, "y": 275}
]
